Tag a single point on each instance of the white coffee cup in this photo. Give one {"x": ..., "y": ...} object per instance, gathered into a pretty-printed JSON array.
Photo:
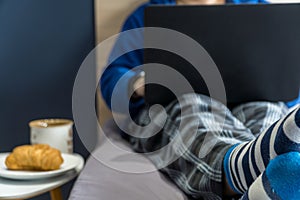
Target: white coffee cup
[{"x": 58, "y": 133}]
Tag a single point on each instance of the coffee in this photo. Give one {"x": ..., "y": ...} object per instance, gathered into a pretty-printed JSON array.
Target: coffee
[{"x": 44, "y": 123}]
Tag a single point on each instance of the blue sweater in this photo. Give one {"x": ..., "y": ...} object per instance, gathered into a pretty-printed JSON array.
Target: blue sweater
[{"x": 121, "y": 67}]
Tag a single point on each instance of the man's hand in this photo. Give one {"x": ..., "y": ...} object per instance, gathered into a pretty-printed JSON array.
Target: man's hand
[{"x": 139, "y": 87}]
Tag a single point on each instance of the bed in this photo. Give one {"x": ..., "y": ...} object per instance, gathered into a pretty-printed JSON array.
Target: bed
[{"x": 98, "y": 181}]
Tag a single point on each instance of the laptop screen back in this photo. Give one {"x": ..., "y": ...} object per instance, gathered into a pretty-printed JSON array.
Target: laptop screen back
[{"x": 255, "y": 47}]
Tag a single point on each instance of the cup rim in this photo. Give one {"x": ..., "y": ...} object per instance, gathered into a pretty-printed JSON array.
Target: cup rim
[{"x": 43, "y": 123}]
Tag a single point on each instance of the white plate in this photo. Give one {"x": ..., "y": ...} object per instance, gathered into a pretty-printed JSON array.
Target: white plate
[{"x": 70, "y": 162}]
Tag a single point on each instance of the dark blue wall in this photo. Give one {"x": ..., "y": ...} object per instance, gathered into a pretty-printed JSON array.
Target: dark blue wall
[{"x": 42, "y": 45}]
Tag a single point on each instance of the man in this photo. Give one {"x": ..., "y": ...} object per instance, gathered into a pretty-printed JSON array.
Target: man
[{"x": 250, "y": 146}]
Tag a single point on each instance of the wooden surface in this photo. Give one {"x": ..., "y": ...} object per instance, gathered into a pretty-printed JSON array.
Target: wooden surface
[
  {"x": 110, "y": 15},
  {"x": 56, "y": 194}
]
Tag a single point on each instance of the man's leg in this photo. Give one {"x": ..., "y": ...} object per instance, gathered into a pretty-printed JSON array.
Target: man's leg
[
  {"x": 200, "y": 143},
  {"x": 258, "y": 116},
  {"x": 243, "y": 163}
]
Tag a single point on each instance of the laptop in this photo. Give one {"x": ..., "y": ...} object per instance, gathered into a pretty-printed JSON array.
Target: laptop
[{"x": 255, "y": 48}]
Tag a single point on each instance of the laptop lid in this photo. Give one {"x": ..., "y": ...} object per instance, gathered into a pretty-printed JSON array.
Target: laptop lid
[{"x": 255, "y": 47}]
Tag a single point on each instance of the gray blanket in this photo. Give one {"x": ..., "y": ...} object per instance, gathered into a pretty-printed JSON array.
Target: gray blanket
[{"x": 100, "y": 182}]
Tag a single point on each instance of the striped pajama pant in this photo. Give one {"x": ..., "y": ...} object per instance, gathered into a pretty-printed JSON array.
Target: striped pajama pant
[{"x": 198, "y": 131}]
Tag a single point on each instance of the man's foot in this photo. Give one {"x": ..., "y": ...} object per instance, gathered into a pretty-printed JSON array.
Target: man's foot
[
  {"x": 279, "y": 181},
  {"x": 243, "y": 163}
]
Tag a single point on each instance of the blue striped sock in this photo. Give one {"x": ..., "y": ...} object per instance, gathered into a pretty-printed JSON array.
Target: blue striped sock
[
  {"x": 279, "y": 181},
  {"x": 243, "y": 163}
]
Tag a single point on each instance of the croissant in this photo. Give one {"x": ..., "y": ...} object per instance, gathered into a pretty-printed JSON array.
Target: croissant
[{"x": 39, "y": 157}]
